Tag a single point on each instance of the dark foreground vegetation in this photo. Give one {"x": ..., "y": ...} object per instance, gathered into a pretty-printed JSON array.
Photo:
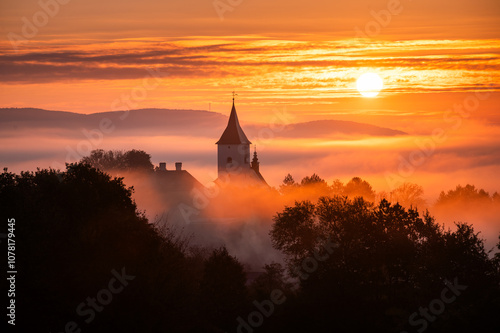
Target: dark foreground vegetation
[{"x": 88, "y": 261}]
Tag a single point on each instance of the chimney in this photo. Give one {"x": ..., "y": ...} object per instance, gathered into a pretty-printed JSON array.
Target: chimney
[
  {"x": 178, "y": 166},
  {"x": 163, "y": 166}
]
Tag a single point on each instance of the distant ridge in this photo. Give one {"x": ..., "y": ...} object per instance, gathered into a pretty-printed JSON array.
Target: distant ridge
[
  {"x": 176, "y": 122},
  {"x": 319, "y": 128}
]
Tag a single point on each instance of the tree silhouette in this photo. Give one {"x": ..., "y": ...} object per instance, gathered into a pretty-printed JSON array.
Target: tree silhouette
[
  {"x": 358, "y": 187},
  {"x": 288, "y": 184},
  {"x": 274, "y": 277},
  {"x": 138, "y": 159},
  {"x": 313, "y": 179},
  {"x": 314, "y": 186},
  {"x": 77, "y": 226},
  {"x": 119, "y": 160},
  {"x": 466, "y": 195},
  {"x": 497, "y": 255},
  {"x": 357, "y": 266},
  {"x": 223, "y": 290},
  {"x": 337, "y": 187},
  {"x": 288, "y": 180},
  {"x": 408, "y": 195},
  {"x": 388, "y": 262},
  {"x": 496, "y": 198}
]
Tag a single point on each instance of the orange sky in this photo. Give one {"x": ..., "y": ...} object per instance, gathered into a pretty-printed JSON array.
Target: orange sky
[
  {"x": 83, "y": 55},
  {"x": 93, "y": 56}
]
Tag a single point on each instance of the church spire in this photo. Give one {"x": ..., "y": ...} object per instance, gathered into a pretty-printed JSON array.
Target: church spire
[
  {"x": 233, "y": 134},
  {"x": 255, "y": 161}
]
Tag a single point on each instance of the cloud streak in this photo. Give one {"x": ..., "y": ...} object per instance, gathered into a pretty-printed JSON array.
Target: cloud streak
[{"x": 305, "y": 64}]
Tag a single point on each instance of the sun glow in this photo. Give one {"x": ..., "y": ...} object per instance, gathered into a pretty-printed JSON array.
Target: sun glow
[{"x": 369, "y": 84}]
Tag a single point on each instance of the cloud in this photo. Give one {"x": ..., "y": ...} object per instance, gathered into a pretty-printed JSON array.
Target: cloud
[{"x": 290, "y": 64}]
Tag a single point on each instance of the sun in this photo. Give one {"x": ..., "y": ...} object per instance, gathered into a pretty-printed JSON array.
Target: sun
[{"x": 369, "y": 84}]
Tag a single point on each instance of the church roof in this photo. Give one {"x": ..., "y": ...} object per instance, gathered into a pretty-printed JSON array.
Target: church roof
[
  {"x": 261, "y": 178},
  {"x": 233, "y": 134},
  {"x": 248, "y": 177}
]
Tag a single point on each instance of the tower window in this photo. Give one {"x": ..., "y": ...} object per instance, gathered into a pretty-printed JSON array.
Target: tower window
[{"x": 229, "y": 160}]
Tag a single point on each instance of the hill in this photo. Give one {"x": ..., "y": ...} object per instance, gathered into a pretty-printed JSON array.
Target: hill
[{"x": 174, "y": 122}]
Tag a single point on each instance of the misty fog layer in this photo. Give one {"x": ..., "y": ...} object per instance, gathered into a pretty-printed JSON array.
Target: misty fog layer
[
  {"x": 241, "y": 219},
  {"x": 240, "y": 216}
]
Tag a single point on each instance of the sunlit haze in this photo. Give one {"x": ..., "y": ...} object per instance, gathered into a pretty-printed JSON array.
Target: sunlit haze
[
  {"x": 251, "y": 165},
  {"x": 439, "y": 63}
]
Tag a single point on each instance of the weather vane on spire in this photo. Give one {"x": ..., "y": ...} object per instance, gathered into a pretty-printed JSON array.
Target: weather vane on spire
[{"x": 234, "y": 94}]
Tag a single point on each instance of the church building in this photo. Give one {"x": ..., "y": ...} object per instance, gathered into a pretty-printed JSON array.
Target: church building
[
  {"x": 233, "y": 155},
  {"x": 181, "y": 190}
]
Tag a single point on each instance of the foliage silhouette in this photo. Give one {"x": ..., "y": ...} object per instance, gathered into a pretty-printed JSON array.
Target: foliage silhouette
[
  {"x": 115, "y": 160},
  {"x": 358, "y": 187},
  {"x": 467, "y": 195},
  {"x": 223, "y": 290},
  {"x": 274, "y": 277},
  {"x": 408, "y": 195},
  {"x": 390, "y": 261},
  {"x": 75, "y": 226}
]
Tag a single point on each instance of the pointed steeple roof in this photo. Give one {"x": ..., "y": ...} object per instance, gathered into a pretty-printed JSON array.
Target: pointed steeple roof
[
  {"x": 233, "y": 134},
  {"x": 255, "y": 161}
]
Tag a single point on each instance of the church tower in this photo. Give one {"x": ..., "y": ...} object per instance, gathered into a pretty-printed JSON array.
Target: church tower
[{"x": 233, "y": 147}]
